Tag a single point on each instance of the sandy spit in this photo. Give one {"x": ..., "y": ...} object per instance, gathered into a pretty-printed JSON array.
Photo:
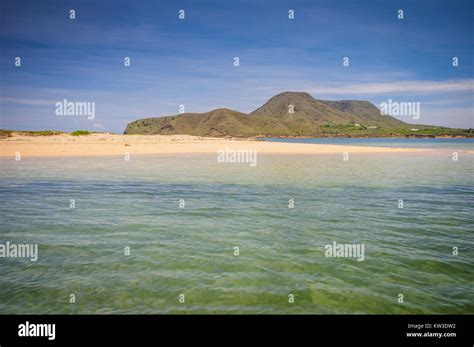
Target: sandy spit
[{"x": 99, "y": 144}]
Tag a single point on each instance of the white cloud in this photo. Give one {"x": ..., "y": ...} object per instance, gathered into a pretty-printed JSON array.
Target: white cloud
[
  {"x": 28, "y": 101},
  {"x": 454, "y": 117},
  {"x": 401, "y": 87}
]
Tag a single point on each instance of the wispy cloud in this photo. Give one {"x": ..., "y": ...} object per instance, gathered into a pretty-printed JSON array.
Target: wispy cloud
[
  {"x": 397, "y": 87},
  {"x": 27, "y": 101}
]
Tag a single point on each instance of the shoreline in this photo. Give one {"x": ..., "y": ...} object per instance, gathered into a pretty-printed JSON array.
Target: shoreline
[
  {"x": 102, "y": 144},
  {"x": 366, "y": 137}
]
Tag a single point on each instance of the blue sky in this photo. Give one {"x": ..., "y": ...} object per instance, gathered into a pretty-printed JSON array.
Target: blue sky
[{"x": 190, "y": 61}]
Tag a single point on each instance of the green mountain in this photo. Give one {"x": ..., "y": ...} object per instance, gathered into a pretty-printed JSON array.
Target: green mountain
[{"x": 289, "y": 114}]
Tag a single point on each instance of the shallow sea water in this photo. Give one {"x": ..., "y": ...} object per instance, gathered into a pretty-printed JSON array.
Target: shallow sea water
[{"x": 190, "y": 250}]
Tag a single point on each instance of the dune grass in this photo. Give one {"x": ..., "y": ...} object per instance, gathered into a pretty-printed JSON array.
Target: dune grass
[
  {"x": 9, "y": 133},
  {"x": 80, "y": 133}
]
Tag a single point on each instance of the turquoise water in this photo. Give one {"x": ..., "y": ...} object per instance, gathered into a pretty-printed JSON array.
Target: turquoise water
[
  {"x": 190, "y": 250},
  {"x": 433, "y": 143}
]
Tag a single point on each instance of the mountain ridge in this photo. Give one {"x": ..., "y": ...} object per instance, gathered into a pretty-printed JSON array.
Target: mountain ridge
[{"x": 288, "y": 114}]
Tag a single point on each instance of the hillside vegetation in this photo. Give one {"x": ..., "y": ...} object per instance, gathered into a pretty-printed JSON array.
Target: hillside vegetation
[{"x": 291, "y": 114}]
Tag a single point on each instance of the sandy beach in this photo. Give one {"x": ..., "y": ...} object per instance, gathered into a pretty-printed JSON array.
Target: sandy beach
[{"x": 98, "y": 144}]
